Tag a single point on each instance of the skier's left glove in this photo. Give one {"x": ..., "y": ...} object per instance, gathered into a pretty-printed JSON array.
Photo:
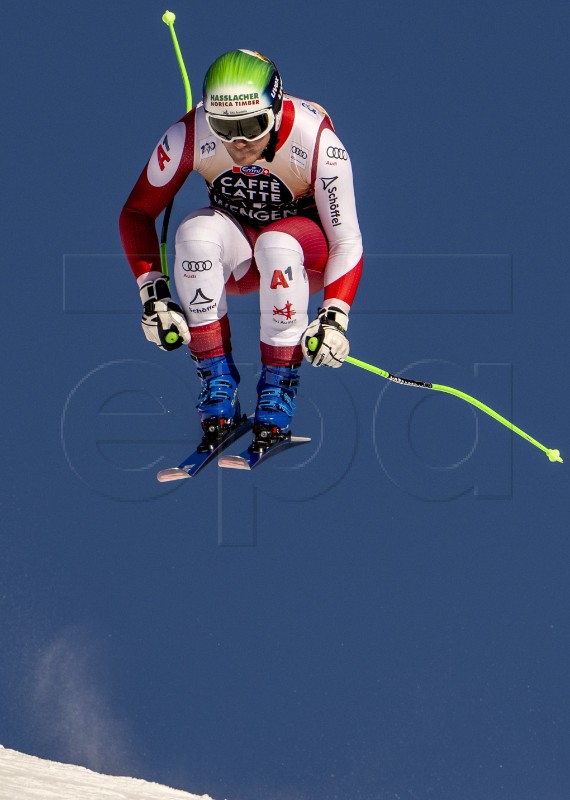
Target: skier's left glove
[
  {"x": 324, "y": 342},
  {"x": 163, "y": 321}
]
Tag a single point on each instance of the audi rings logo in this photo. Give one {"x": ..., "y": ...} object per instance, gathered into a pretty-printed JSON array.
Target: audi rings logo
[
  {"x": 298, "y": 151},
  {"x": 196, "y": 266},
  {"x": 337, "y": 152}
]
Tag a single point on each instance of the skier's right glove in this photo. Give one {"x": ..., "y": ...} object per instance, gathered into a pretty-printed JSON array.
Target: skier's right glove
[{"x": 163, "y": 321}]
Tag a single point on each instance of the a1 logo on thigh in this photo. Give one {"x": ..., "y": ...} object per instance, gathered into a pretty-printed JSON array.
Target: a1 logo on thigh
[{"x": 279, "y": 280}]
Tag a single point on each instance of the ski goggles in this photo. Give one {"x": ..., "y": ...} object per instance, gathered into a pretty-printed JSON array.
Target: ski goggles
[{"x": 250, "y": 128}]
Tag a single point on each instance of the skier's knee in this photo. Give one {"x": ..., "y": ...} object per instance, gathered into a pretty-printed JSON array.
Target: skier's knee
[
  {"x": 200, "y": 226},
  {"x": 274, "y": 248}
]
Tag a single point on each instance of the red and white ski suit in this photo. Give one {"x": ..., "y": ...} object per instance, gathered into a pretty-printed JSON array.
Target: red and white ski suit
[{"x": 285, "y": 228}]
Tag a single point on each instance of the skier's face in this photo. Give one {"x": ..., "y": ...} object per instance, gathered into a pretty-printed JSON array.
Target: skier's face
[{"x": 244, "y": 153}]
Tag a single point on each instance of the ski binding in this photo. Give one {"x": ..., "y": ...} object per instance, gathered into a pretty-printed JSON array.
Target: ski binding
[
  {"x": 205, "y": 452},
  {"x": 260, "y": 451}
]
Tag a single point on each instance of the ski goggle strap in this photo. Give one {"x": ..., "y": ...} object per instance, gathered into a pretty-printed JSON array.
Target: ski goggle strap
[{"x": 250, "y": 128}]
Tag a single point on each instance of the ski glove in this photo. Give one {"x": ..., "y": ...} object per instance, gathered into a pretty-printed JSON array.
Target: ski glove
[
  {"x": 324, "y": 342},
  {"x": 163, "y": 321}
]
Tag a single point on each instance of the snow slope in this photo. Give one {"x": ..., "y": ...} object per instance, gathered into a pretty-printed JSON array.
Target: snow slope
[{"x": 25, "y": 777}]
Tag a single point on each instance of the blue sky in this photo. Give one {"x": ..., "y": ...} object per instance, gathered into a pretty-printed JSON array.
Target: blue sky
[{"x": 383, "y": 614}]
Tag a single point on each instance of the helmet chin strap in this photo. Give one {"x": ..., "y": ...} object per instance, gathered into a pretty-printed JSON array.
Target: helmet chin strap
[{"x": 269, "y": 152}]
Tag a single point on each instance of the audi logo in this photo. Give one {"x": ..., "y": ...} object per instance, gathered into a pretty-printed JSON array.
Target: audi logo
[
  {"x": 337, "y": 152},
  {"x": 196, "y": 266},
  {"x": 297, "y": 151}
]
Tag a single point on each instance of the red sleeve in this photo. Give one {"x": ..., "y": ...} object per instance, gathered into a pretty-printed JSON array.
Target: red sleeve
[
  {"x": 168, "y": 167},
  {"x": 344, "y": 288}
]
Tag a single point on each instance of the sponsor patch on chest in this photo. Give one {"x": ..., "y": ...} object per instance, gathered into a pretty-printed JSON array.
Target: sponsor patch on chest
[
  {"x": 257, "y": 188},
  {"x": 299, "y": 154},
  {"x": 252, "y": 169}
]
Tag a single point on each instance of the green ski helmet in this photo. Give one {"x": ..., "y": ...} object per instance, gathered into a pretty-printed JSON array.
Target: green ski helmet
[{"x": 243, "y": 96}]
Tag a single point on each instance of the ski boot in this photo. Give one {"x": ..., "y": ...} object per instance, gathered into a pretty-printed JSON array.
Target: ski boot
[
  {"x": 218, "y": 403},
  {"x": 276, "y": 389}
]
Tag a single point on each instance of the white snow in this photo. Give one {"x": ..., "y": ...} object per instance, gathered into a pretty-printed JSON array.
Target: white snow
[{"x": 25, "y": 777}]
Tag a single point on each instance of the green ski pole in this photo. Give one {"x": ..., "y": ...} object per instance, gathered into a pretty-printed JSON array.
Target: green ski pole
[
  {"x": 168, "y": 18},
  {"x": 553, "y": 455}
]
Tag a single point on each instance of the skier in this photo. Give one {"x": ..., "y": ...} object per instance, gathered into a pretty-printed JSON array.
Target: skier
[{"x": 281, "y": 221}]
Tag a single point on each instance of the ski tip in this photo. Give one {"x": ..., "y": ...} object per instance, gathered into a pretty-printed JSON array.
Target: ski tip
[
  {"x": 233, "y": 462},
  {"x": 171, "y": 474}
]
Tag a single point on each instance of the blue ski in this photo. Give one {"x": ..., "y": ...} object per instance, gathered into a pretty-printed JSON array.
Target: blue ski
[
  {"x": 203, "y": 455},
  {"x": 249, "y": 459}
]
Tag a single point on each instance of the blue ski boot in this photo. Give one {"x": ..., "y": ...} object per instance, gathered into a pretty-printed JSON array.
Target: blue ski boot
[
  {"x": 276, "y": 389},
  {"x": 218, "y": 403}
]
